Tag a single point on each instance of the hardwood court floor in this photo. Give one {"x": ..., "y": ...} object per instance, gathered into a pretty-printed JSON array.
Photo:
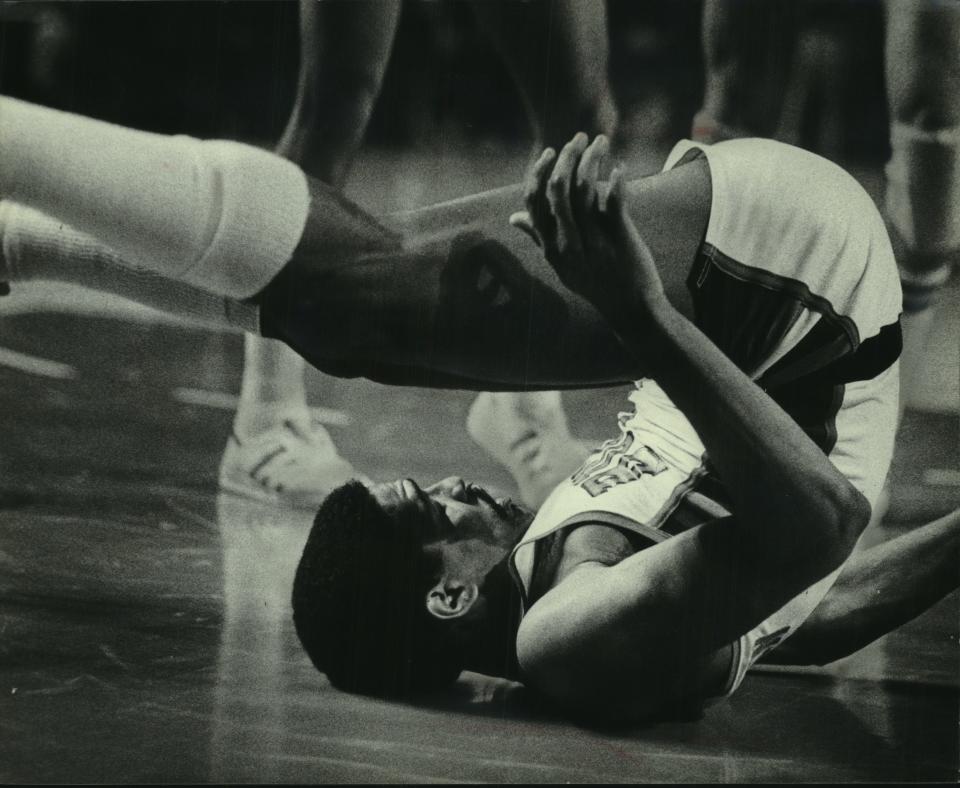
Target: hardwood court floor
[
  {"x": 144, "y": 630},
  {"x": 145, "y": 633}
]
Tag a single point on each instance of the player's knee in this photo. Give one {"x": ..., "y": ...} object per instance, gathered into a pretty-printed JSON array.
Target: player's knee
[
  {"x": 923, "y": 190},
  {"x": 852, "y": 514},
  {"x": 925, "y": 101}
]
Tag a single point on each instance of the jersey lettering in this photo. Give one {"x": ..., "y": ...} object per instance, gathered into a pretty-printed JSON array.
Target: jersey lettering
[{"x": 617, "y": 462}]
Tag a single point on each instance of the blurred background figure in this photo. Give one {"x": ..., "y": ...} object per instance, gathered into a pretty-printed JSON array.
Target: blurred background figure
[
  {"x": 748, "y": 50},
  {"x": 772, "y": 66},
  {"x": 556, "y": 52},
  {"x": 923, "y": 173}
]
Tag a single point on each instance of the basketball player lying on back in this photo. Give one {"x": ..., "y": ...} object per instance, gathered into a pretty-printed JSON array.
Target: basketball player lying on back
[
  {"x": 777, "y": 255},
  {"x": 638, "y": 598}
]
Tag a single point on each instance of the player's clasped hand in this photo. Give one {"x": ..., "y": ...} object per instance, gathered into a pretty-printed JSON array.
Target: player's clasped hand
[{"x": 584, "y": 230}]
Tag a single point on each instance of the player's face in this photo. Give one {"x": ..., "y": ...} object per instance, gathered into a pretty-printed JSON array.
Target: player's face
[{"x": 454, "y": 511}]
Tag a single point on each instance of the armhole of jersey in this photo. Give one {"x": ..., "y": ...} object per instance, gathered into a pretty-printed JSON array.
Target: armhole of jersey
[{"x": 596, "y": 517}]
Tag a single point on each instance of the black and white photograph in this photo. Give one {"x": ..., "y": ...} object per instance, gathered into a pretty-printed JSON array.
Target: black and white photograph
[{"x": 485, "y": 391}]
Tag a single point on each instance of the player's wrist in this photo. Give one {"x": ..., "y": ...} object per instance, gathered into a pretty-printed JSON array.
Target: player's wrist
[{"x": 643, "y": 321}]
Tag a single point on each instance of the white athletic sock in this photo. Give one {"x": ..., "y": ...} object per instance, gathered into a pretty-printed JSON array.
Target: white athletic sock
[
  {"x": 220, "y": 215},
  {"x": 272, "y": 388},
  {"x": 35, "y": 247}
]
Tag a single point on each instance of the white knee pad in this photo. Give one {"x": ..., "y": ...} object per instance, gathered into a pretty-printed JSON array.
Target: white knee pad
[
  {"x": 36, "y": 247},
  {"x": 923, "y": 192},
  {"x": 219, "y": 215}
]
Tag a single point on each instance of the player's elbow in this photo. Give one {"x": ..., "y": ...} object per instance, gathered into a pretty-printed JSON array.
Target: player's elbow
[
  {"x": 596, "y": 685},
  {"x": 581, "y": 688},
  {"x": 564, "y": 669},
  {"x": 847, "y": 514}
]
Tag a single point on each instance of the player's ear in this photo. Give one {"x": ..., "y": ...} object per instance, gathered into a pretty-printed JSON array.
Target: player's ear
[{"x": 452, "y": 598}]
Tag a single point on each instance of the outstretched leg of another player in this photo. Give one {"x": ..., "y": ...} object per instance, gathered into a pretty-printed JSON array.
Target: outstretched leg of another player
[{"x": 453, "y": 296}]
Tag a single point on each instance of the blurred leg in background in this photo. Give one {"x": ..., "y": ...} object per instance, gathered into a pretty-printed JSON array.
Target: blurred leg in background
[
  {"x": 277, "y": 451},
  {"x": 557, "y": 52},
  {"x": 748, "y": 51},
  {"x": 923, "y": 174}
]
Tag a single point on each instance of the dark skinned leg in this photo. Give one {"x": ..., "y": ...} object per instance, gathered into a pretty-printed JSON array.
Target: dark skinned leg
[{"x": 462, "y": 299}]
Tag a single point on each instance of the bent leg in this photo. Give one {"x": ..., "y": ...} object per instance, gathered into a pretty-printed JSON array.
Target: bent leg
[
  {"x": 471, "y": 305},
  {"x": 216, "y": 214},
  {"x": 36, "y": 247}
]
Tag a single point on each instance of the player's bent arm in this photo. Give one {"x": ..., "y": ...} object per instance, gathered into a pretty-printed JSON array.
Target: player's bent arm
[
  {"x": 878, "y": 590},
  {"x": 793, "y": 505},
  {"x": 628, "y": 641}
]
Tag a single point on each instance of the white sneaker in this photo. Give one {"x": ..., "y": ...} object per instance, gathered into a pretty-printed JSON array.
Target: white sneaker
[
  {"x": 294, "y": 464},
  {"x": 528, "y": 434}
]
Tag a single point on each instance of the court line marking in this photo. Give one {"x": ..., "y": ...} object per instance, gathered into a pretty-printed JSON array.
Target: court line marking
[
  {"x": 34, "y": 365},
  {"x": 224, "y": 401}
]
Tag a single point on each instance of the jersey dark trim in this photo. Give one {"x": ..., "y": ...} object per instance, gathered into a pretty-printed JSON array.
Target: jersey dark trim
[
  {"x": 746, "y": 312},
  {"x": 548, "y": 548}
]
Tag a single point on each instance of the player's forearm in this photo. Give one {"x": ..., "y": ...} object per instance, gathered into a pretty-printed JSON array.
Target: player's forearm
[
  {"x": 784, "y": 489},
  {"x": 878, "y": 590}
]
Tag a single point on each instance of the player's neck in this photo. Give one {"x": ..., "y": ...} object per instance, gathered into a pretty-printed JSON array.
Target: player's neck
[{"x": 491, "y": 641}]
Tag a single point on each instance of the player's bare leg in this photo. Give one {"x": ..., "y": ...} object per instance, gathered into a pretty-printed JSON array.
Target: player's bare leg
[
  {"x": 923, "y": 174},
  {"x": 277, "y": 451},
  {"x": 451, "y": 295},
  {"x": 465, "y": 302}
]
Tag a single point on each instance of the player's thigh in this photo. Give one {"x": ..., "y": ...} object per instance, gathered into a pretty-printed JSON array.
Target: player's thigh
[{"x": 348, "y": 44}]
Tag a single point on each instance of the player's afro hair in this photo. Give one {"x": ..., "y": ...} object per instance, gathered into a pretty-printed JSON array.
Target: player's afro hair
[{"x": 359, "y": 600}]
